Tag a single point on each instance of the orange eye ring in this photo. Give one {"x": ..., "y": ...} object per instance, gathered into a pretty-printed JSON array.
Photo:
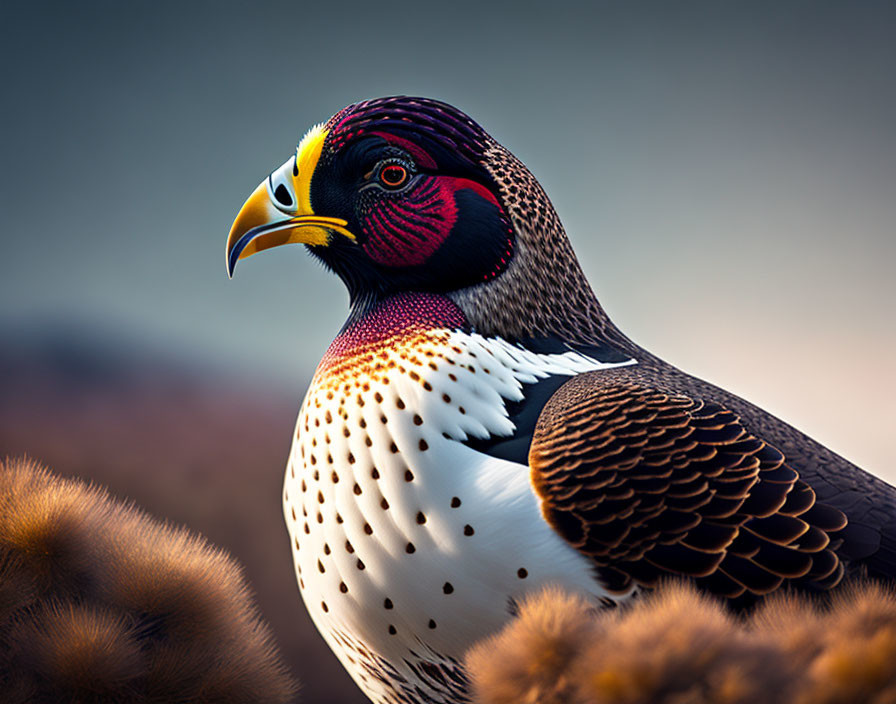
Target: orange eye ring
[{"x": 393, "y": 175}]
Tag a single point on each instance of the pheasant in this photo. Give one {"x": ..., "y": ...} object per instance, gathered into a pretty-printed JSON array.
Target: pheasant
[{"x": 480, "y": 428}]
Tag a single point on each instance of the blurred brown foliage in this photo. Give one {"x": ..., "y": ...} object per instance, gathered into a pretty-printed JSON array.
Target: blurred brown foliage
[
  {"x": 677, "y": 646},
  {"x": 99, "y": 602},
  {"x": 187, "y": 444}
]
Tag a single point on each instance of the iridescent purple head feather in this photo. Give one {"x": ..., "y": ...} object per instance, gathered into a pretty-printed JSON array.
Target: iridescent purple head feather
[{"x": 442, "y": 122}]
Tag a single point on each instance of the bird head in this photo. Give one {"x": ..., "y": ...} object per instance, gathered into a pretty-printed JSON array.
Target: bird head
[{"x": 408, "y": 194}]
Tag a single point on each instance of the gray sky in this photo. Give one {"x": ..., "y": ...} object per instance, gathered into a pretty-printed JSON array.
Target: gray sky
[{"x": 726, "y": 172}]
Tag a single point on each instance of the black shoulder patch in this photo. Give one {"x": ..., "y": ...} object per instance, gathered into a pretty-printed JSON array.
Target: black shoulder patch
[{"x": 524, "y": 415}]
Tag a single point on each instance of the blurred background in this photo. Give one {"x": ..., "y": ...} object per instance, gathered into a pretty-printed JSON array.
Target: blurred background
[{"x": 726, "y": 173}]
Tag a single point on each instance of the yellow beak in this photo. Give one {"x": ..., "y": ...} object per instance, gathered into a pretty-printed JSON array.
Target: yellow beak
[{"x": 279, "y": 210}]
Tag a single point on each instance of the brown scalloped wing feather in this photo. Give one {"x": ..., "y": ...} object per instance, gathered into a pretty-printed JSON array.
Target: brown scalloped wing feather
[{"x": 649, "y": 483}]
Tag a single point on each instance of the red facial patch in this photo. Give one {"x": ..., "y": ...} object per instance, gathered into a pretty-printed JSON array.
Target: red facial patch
[{"x": 407, "y": 230}]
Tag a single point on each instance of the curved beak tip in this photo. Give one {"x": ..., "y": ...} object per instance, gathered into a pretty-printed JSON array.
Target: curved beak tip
[{"x": 232, "y": 256}]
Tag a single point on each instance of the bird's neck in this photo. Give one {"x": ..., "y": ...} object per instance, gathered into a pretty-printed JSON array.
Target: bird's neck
[
  {"x": 379, "y": 322},
  {"x": 544, "y": 292}
]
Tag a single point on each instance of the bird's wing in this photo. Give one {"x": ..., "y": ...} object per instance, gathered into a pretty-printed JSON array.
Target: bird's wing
[{"x": 650, "y": 483}]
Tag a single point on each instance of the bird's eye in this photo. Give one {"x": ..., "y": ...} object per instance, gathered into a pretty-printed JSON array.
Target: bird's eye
[{"x": 393, "y": 175}]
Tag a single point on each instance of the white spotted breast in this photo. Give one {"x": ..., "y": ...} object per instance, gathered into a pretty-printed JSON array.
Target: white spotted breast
[{"x": 406, "y": 540}]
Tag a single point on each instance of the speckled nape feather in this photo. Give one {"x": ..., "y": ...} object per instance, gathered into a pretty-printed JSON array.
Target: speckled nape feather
[{"x": 544, "y": 292}]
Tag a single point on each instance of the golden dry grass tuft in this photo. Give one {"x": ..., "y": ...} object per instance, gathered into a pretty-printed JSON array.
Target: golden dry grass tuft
[
  {"x": 537, "y": 653},
  {"x": 101, "y": 603},
  {"x": 678, "y": 646}
]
